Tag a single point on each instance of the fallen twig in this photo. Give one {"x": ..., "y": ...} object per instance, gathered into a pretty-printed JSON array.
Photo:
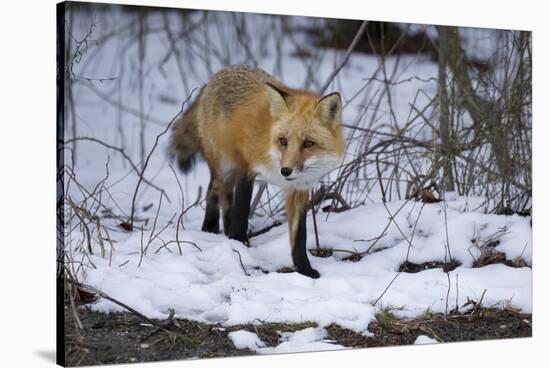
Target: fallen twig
[
  {"x": 119, "y": 303},
  {"x": 264, "y": 230},
  {"x": 241, "y": 261}
]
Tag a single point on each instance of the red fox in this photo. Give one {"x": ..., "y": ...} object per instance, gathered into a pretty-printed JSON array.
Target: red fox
[{"x": 246, "y": 123}]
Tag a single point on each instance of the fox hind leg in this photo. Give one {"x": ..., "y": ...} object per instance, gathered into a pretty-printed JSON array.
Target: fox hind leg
[
  {"x": 226, "y": 203},
  {"x": 211, "y": 222},
  {"x": 241, "y": 208}
]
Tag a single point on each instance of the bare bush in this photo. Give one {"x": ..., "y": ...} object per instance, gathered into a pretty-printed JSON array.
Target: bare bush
[{"x": 465, "y": 129}]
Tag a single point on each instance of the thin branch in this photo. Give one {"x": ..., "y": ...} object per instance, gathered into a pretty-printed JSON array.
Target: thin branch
[
  {"x": 146, "y": 163},
  {"x": 126, "y": 157},
  {"x": 241, "y": 261},
  {"x": 350, "y": 49},
  {"x": 119, "y": 303}
]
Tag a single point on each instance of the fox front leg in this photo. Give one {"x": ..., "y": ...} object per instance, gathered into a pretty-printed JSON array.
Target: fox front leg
[{"x": 296, "y": 209}]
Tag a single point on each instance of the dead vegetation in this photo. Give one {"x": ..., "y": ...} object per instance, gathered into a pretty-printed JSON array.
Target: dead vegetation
[
  {"x": 122, "y": 337},
  {"x": 411, "y": 267}
]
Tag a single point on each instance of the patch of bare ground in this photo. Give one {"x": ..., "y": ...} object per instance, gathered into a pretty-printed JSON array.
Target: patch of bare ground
[
  {"x": 486, "y": 325},
  {"x": 411, "y": 267},
  {"x": 484, "y": 260},
  {"x": 124, "y": 338}
]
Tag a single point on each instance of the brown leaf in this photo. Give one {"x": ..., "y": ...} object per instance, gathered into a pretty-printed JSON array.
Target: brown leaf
[
  {"x": 85, "y": 296},
  {"x": 426, "y": 196},
  {"x": 126, "y": 226}
]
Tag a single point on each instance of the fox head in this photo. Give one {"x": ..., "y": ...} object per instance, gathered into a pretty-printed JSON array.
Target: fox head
[{"x": 306, "y": 137}]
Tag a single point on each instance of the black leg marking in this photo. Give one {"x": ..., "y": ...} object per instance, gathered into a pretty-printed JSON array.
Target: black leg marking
[
  {"x": 241, "y": 209},
  {"x": 299, "y": 252},
  {"x": 211, "y": 221},
  {"x": 226, "y": 213}
]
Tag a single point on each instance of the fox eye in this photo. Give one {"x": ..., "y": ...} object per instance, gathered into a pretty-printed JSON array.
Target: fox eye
[
  {"x": 308, "y": 144},
  {"x": 283, "y": 141}
]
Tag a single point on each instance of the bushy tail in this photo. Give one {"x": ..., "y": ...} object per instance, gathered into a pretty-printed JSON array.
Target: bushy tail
[{"x": 185, "y": 144}]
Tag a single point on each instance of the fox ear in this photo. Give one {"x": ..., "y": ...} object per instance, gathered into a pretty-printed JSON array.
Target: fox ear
[
  {"x": 277, "y": 101},
  {"x": 330, "y": 109}
]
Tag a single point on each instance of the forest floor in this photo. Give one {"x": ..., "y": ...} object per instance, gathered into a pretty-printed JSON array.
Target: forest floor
[{"x": 125, "y": 338}]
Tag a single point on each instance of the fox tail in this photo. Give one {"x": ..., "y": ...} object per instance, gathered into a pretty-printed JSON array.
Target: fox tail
[{"x": 185, "y": 143}]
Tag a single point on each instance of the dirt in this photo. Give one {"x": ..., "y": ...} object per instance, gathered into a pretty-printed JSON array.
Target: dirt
[
  {"x": 410, "y": 267},
  {"x": 124, "y": 338},
  {"x": 494, "y": 324},
  {"x": 488, "y": 258}
]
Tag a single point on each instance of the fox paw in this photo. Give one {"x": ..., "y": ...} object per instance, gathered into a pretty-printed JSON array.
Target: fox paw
[
  {"x": 310, "y": 272},
  {"x": 242, "y": 238}
]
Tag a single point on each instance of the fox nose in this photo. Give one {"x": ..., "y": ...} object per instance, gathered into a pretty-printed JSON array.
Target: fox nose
[{"x": 286, "y": 171}]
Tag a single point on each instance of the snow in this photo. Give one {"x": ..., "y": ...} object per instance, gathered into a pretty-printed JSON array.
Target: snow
[
  {"x": 309, "y": 339},
  {"x": 246, "y": 340},
  {"x": 208, "y": 283},
  {"x": 423, "y": 339}
]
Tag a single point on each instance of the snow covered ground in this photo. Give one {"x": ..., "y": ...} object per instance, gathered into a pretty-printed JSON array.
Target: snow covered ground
[
  {"x": 217, "y": 280},
  {"x": 210, "y": 285}
]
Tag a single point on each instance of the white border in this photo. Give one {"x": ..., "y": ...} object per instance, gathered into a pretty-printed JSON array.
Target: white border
[{"x": 27, "y": 181}]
